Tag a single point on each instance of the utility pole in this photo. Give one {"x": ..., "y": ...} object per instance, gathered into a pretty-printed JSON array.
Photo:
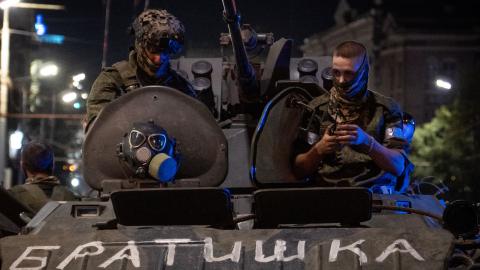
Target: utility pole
[
  {"x": 5, "y": 49},
  {"x": 105, "y": 33},
  {"x": 4, "y": 66}
]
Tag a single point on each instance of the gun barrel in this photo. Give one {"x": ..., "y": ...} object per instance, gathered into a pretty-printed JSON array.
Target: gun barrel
[{"x": 245, "y": 71}]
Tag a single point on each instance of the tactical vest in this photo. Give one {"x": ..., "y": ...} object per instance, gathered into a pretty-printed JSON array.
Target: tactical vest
[{"x": 320, "y": 104}]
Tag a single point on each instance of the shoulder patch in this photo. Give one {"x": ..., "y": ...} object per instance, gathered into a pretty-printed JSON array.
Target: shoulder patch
[{"x": 394, "y": 132}]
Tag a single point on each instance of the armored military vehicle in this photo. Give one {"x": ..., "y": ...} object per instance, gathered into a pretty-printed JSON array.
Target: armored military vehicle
[{"x": 183, "y": 186}]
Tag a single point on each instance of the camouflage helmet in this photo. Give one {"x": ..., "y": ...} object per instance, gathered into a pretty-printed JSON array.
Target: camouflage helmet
[{"x": 153, "y": 29}]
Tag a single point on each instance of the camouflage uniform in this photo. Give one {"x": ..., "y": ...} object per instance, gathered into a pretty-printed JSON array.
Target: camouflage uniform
[
  {"x": 380, "y": 117},
  {"x": 155, "y": 31},
  {"x": 37, "y": 191},
  {"x": 111, "y": 84}
]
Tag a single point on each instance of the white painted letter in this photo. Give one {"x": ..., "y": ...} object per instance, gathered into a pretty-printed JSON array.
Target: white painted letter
[
  {"x": 76, "y": 253},
  {"x": 208, "y": 252},
  {"x": 335, "y": 248},
  {"x": 171, "y": 247},
  {"x": 133, "y": 257},
  {"x": 24, "y": 256},
  {"x": 279, "y": 252},
  {"x": 393, "y": 248},
  {"x": 300, "y": 252}
]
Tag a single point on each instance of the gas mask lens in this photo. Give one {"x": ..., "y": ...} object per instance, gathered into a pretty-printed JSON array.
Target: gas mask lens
[
  {"x": 136, "y": 138},
  {"x": 157, "y": 141}
]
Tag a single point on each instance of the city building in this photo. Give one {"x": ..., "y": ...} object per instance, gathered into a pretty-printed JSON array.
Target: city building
[{"x": 419, "y": 50}]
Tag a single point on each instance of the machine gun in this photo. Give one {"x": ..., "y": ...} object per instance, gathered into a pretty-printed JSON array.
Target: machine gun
[{"x": 246, "y": 74}]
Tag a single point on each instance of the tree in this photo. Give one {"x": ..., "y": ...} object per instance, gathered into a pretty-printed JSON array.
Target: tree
[{"x": 448, "y": 147}]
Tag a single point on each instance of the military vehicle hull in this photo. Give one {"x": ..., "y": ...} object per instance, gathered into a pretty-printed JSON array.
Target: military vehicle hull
[
  {"x": 61, "y": 239},
  {"x": 216, "y": 214}
]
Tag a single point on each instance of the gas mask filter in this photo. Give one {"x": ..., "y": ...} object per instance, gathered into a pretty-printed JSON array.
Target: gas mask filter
[{"x": 149, "y": 152}]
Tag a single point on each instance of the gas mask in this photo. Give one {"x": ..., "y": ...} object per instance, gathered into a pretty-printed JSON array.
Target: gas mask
[
  {"x": 149, "y": 152},
  {"x": 358, "y": 84}
]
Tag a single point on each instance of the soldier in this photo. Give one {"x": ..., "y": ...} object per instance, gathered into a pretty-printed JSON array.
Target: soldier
[
  {"x": 361, "y": 135},
  {"x": 158, "y": 34},
  {"x": 37, "y": 162}
]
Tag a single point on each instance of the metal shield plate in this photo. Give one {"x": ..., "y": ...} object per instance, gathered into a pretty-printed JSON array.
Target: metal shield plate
[
  {"x": 200, "y": 140},
  {"x": 272, "y": 144}
]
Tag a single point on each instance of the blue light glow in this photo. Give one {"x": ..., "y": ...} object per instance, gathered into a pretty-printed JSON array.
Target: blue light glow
[
  {"x": 405, "y": 204},
  {"x": 40, "y": 28},
  {"x": 227, "y": 192},
  {"x": 54, "y": 39},
  {"x": 442, "y": 202},
  {"x": 253, "y": 171},
  {"x": 266, "y": 110}
]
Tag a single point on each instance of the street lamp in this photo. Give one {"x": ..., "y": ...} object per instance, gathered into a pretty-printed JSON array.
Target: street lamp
[
  {"x": 73, "y": 95},
  {"x": 69, "y": 97},
  {"x": 75, "y": 182},
  {"x": 8, "y": 3},
  {"x": 77, "y": 79},
  {"x": 48, "y": 70},
  {"x": 443, "y": 84},
  {"x": 15, "y": 142}
]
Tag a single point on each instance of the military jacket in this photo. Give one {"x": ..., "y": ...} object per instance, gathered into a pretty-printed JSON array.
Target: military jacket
[
  {"x": 381, "y": 118},
  {"x": 123, "y": 77},
  {"x": 35, "y": 194}
]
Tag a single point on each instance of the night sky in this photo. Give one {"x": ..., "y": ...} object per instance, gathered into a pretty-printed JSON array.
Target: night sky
[{"x": 83, "y": 24}]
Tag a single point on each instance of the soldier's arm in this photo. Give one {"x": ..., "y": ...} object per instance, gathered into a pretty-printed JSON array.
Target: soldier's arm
[
  {"x": 307, "y": 163},
  {"x": 390, "y": 154},
  {"x": 390, "y": 160},
  {"x": 393, "y": 150},
  {"x": 103, "y": 91}
]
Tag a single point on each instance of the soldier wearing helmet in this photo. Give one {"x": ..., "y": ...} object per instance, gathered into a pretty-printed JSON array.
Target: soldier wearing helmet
[{"x": 158, "y": 34}]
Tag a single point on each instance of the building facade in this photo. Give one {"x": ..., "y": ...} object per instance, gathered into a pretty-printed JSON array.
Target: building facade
[{"x": 411, "y": 46}]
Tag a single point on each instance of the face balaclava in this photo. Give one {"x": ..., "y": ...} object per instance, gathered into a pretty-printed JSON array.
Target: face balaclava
[
  {"x": 348, "y": 98},
  {"x": 157, "y": 71},
  {"x": 357, "y": 86}
]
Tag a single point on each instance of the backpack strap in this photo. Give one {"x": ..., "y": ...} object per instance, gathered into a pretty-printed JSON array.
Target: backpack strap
[{"x": 128, "y": 75}]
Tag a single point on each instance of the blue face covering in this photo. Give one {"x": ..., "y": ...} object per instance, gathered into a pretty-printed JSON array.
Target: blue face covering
[
  {"x": 174, "y": 46},
  {"x": 358, "y": 84},
  {"x": 166, "y": 48}
]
